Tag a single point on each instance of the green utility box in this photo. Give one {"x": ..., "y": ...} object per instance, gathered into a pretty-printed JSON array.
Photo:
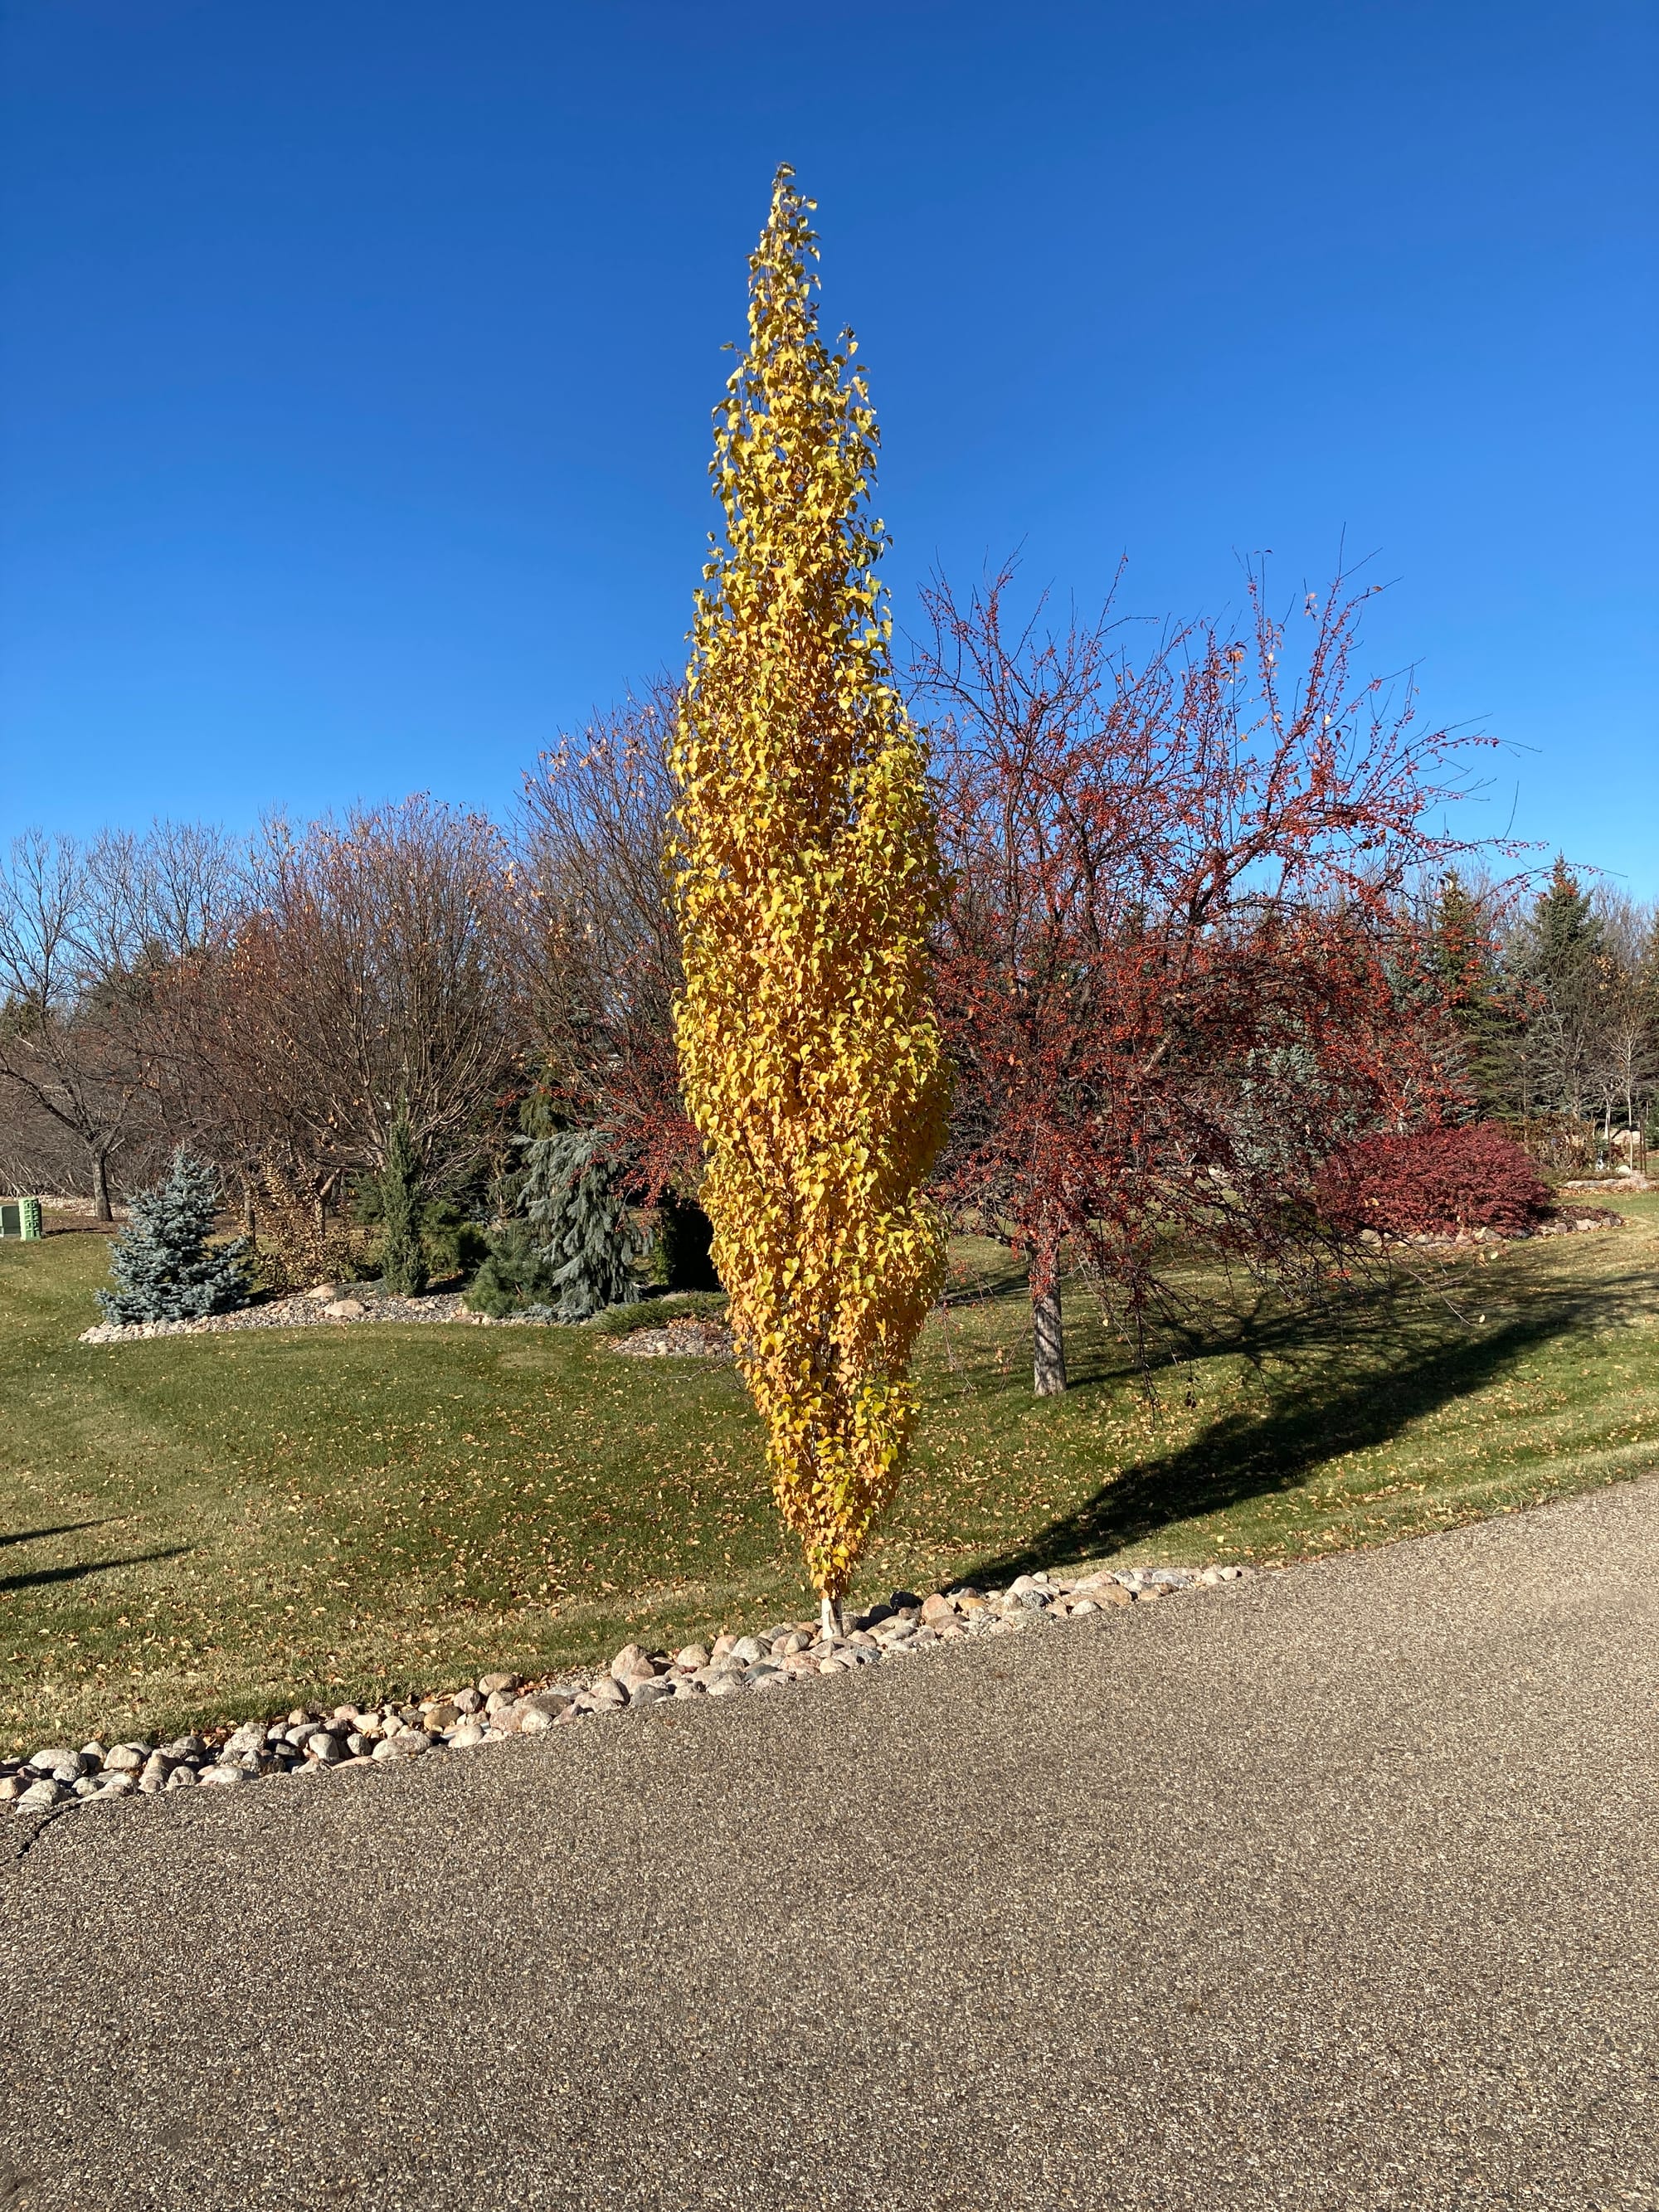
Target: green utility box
[{"x": 20, "y": 1217}]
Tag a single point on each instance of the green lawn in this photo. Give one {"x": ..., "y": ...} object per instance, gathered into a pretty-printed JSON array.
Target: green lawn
[{"x": 196, "y": 1529}]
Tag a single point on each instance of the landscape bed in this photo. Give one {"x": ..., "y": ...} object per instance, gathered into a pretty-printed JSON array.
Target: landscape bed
[{"x": 197, "y": 1529}]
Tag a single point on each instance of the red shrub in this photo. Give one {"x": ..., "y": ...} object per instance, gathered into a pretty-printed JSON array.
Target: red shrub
[{"x": 1433, "y": 1183}]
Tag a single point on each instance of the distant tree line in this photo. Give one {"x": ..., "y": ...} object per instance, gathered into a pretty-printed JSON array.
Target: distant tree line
[
  {"x": 1185, "y": 955},
  {"x": 1555, "y": 997}
]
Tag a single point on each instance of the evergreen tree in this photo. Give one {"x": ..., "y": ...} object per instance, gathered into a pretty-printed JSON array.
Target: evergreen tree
[
  {"x": 1566, "y": 931},
  {"x": 686, "y": 1238},
  {"x": 573, "y": 1253},
  {"x": 1565, "y": 967},
  {"x": 573, "y": 1202},
  {"x": 164, "y": 1267},
  {"x": 402, "y": 1259},
  {"x": 1483, "y": 1013}
]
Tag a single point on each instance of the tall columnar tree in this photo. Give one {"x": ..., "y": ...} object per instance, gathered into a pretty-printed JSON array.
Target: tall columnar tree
[
  {"x": 806, "y": 879},
  {"x": 402, "y": 1260}
]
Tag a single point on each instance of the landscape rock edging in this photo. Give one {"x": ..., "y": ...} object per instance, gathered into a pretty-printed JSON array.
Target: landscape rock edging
[{"x": 59, "y": 1778}]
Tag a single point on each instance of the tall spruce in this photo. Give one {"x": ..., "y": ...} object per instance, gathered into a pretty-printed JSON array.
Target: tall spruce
[
  {"x": 1464, "y": 951},
  {"x": 403, "y": 1256},
  {"x": 164, "y": 1267},
  {"x": 806, "y": 878}
]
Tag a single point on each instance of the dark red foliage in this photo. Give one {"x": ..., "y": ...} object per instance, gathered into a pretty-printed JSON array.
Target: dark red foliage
[
  {"x": 1432, "y": 1183},
  {"x": 1179, "y": 964}
]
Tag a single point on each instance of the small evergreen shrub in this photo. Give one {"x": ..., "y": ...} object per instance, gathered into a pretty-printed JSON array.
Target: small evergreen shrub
[
  {"x": 1433, "y": 1182},
  {"x": 164, "y": 1267},
  {"x": 656, "y": 1313},
  {"x": 516, "y": 1278}
]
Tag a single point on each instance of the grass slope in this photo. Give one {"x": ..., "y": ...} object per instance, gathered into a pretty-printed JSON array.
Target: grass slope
[{"x": 199, "y": 1528}]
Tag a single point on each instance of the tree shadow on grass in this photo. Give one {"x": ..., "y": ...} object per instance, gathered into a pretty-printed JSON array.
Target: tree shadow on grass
[
  {"x": 45, "y": 1576},
  {"x": 1321, "y": 1414},
  {"x": 39, "y": 1535}
]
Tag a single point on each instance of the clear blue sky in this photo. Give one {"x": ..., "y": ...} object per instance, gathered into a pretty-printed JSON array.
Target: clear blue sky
[{"x": 358, "y": 357}]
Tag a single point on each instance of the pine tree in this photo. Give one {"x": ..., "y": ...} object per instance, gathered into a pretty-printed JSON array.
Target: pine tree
[
  {"x": 574, "y": 1206},
  {"x": 164, "y": 1267},
  {"x": 574, "y": 1252},
  {"x": 402, "y": 1259},
  {"x": 806, "y": 878}
]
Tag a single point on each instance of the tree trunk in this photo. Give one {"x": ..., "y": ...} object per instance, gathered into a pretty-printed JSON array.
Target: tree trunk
[
  {"x": 101, "y": 1205},
  {"x": 831, "y": 1620},
  {"x": 1048, "y": 1343}
]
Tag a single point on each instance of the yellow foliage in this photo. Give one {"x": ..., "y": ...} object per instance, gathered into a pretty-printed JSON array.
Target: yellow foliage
[{"x": 807, "y": 875}]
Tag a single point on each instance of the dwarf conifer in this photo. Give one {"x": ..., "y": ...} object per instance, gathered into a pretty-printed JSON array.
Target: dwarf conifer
[{"x": 164, "y": 1267}]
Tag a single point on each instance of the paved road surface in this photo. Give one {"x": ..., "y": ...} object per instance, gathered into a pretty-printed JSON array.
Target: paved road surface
[{"x": 1337, "y": 1888}]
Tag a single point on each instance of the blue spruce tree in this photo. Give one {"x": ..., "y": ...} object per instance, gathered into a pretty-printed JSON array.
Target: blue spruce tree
[{"x": 163, "y": 1266}]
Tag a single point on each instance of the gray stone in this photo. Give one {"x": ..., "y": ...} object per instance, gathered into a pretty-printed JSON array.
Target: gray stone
[
  {"x": 489, "y": 1684},
  {"x": 650, "y": 1694},
  {"x": 468, "y": 1701},
  {"x": 552, "y": 1703},
  {"x": 125, "y": 1759},
  {"x": 39, "y": 1794},
  {"x": 324, "y": 1749},
  {"x": 692, "y": 1657},
  {"x": 184, "y": 1747},
  {"x": 468, "y": 1734},
  {"x": 223, "y": 1777},
  {"x": 118, "y": 1785},
  {"x": 748, "y": 1649},
  {"x": 182, "y": 1777},
  {"x": 726, "y": 1686},
  {"x": 761, "y": 1670},
  {"x": 358, "y": 1744}
]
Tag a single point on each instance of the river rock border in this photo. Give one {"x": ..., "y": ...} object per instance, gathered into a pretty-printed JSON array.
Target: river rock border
[{"x": 314, "y": 1742}]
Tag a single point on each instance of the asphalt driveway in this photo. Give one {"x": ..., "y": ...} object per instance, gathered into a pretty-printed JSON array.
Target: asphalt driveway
[{"x": 1339, "y": 1887}]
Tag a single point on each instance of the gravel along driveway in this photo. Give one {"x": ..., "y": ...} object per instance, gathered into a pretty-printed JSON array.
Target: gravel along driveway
[{"x": 1339, "y": 1889}]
